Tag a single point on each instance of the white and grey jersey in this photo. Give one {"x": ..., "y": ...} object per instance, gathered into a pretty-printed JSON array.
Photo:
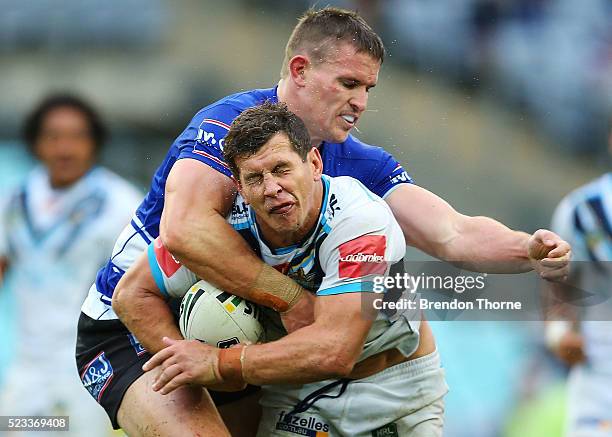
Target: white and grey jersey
[{"x": 355, "y": 239}]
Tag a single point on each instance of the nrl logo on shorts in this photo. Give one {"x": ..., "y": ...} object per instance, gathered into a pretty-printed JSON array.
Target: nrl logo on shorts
[
  {"x": 97, "y": 375},
  {"x": 389, "y": 430}
]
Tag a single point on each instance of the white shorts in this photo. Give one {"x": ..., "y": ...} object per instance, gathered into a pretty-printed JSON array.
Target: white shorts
[{"x": 403, "y": 400}]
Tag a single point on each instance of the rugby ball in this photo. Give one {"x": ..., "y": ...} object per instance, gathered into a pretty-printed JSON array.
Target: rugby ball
[{"x": 218, "y": 318}]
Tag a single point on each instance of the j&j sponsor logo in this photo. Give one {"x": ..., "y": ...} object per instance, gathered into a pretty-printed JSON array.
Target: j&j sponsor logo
[{"x": 97, "y": 375}]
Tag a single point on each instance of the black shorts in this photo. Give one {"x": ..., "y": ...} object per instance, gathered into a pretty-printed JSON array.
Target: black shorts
[{"x": 110, "y": 359}]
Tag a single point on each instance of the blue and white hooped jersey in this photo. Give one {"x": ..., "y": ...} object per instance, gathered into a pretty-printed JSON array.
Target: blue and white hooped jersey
[
  {"x": 355, "y": 240},
  {"x": 203, "y": 140},
  {"x": 584, "y": 219}
]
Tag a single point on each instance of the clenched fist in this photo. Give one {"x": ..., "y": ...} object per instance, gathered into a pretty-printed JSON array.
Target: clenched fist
[{"x": 549, "y": 255}]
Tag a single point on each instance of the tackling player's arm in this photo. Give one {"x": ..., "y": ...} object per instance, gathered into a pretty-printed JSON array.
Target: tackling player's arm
[
  {"x": 475, "y": 243},
  {"x": 194, "y": 229}
]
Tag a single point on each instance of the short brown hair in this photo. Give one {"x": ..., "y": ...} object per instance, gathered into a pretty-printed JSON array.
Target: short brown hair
[
  {"x": 252, "y": 129},
  {"x": 318, "y": 29}
]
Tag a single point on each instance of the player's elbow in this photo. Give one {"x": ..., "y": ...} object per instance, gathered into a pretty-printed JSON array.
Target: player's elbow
[
  {"x": 173, "y": 239},
  {"x": 119, "y": 299},
  {"x": 338, "y": 364},
  {"x": 447, "y": 244},
  {"x": 123, "y": 296}
]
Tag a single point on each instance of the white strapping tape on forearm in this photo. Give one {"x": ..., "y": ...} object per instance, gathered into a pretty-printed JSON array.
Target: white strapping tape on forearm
[{"x": 554, "y": 331}]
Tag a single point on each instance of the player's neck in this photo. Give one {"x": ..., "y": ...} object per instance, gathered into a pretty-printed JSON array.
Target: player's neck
[
  {"x": 286, "y": 94},
  {"x": 282, "y": 90}
]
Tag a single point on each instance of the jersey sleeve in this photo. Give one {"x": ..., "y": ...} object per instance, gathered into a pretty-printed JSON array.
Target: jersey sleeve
[
  {"x": 567, "y": 223},
  {"x": 203, "y": 139},
  {"x": 388, "y": 175},
  {"x": 172, "y": 278},
  {"x": 358, "y": 249}
]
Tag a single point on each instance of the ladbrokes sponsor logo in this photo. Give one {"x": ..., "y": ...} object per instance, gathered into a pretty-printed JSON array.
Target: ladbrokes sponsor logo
[
  {"x": 301, "y": 425},
  {"x": 363, "y": 256}
]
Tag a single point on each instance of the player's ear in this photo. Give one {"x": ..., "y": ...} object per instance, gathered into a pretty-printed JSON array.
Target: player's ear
[
  {"x": 314, "y": 157},
  {"x": 297, "y": 69}
]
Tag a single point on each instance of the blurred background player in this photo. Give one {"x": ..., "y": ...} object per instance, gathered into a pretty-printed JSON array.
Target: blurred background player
[
  {"x": 55, "y": 232},
  {"x": 584, "y": 340}
]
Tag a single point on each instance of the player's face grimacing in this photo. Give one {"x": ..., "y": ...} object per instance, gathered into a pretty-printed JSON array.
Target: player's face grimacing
[
  {"x": 282, "y": 189},
  {"x": 65, "y": 146},
  {"x": 336, "y": 93}
]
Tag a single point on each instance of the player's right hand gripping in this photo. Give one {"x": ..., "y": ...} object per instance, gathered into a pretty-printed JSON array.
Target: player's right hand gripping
[
  {"x": 301, "y": 314},
  {"x": 549, "y": 255},
  {"x": 184, "y": 362}
]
